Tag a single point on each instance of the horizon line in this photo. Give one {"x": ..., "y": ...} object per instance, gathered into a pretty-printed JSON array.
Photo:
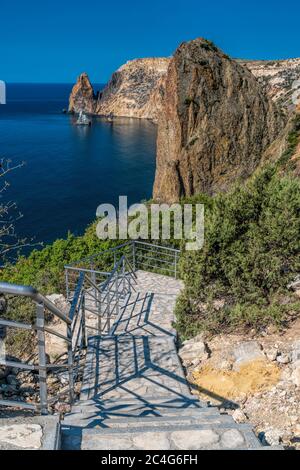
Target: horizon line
[{"x": 47, "y": 83}]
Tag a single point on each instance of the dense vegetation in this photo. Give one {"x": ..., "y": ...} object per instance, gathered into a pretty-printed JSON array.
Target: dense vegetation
[
  {"x": 44, "y": 269},
  {"x": 251, "y": 253}
]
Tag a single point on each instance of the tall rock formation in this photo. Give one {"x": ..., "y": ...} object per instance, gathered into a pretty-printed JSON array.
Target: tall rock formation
[
  {"x": 135, "y": 90},
  {"x": 82, "y": 97},
  {"x": 215, "y": 123}
]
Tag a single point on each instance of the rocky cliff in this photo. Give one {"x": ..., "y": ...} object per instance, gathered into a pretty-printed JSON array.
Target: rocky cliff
[
  {"x": 216, "y": 121},
  {"x": 279, "y": 78},
  {"x": 134, "y": 90},
  {"x": 82, "y": 96}
]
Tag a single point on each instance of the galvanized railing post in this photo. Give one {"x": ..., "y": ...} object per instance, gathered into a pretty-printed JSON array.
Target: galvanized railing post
[
  {"x": 123, "y": 275},
  {"x": 70, "y": 363},
  {"x": 67, "y": 283},
  {"x": 175, "y": 268},
  {"x": 134, "y": 256},
  {"x": 108, "y": 311},
  {"x": 84, "y": 338},
  {"x": 93, "y": 276},
  {"x": 40, "y": 325},
  {"x": 99, "y": 314},
  {"x": 117, "y": 301}
]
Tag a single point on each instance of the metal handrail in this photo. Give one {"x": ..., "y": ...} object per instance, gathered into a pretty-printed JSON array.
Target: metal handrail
[
  {"x": 113, "y": 288},
  {"x": 41, "y": 303},
  {"x": 136, "y": 246},
  {"x": 92, "y": 257},
  {"x": 152, "y": 245},
  {"x": 111, "y": 298},
  {"x": 119, "y": 263},
  {"x": 28, "y": 291}
]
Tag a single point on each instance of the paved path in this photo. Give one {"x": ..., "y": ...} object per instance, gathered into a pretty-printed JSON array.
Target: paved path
[{"x": 134, "y": 393}]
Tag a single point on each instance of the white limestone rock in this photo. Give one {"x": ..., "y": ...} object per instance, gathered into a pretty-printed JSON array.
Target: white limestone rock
[
  {"x": 60, "y": 302},
  {"x": 186, "y": 440},
  {"x": 247, "y": 351},
  {"x": 283, "y": 358},
  {"x": 295, "y": 353},
  {"x": 272, "y": 437},
  {"x": 232, "y": 439},
  {"x": 25, "y": 436},
  {"x": 295, "y": 375},
  {"x": 239, "y": 416},
  {"x": 193, "y": 351},
  {"x": 295, "y": 285},
  {"x": 271, "y": 354},
  {"x": 151, "y": 441}
]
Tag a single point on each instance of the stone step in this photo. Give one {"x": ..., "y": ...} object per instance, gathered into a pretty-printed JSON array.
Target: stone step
[
  {"x": 85, "y": 420},
  {"x": 139, "y": 411},
  {"x": 121, "y": 366},
  {"x": 73, "y": 428},
  {"x": 158, "y": 405},
  {"x": 175, "y": 437},
  {"x": 178, "y": 400}
]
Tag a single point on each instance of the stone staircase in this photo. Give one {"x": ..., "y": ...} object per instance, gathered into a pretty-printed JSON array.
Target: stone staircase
[{"x": 134, "y": 393}]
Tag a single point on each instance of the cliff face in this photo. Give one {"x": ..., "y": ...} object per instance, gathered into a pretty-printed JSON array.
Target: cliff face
[
  {"x": 135, "y": 90},
  {"x": 82, "y": 96},
  {"x": 215, "y": 123},
  {"x": 279, "y": 78}
]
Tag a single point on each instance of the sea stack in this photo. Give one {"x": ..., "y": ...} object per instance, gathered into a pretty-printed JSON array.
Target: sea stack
[{"x": 82, "y": 97}]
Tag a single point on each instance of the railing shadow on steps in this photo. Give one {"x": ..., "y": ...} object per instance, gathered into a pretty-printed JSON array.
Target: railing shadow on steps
[
  {"x": 92, "y": 291},
  {"x": 172, "y": 386},
  {"x": 101, "y": 299}
]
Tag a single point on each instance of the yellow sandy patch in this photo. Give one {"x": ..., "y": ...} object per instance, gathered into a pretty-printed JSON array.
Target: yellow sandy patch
[{"x": 252, "y": 377}]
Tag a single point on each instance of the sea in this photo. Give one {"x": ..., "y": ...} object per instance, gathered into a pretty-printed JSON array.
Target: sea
[{"x": 69, "y": 170}]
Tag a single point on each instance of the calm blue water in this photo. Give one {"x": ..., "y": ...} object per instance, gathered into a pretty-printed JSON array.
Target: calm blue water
[{"x": 69, "y": 170}]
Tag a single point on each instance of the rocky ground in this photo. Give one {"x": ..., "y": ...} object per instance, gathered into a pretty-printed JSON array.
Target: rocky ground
[
  {"x": 253, "y": 377},
  {"x": 17, "y": 385}
]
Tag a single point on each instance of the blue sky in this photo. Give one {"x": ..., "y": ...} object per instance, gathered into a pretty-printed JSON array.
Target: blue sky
[{"x": 54, "y": 41}]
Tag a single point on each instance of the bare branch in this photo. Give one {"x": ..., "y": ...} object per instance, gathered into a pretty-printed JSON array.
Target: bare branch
[
  {"x": 9, "y": 215},
  {"x": 5, "y": 166}
]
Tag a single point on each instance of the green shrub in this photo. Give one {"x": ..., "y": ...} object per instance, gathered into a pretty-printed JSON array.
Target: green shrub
[
  {"x": 44, "y": 269},
  {"x": 250, "y": 254}
]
